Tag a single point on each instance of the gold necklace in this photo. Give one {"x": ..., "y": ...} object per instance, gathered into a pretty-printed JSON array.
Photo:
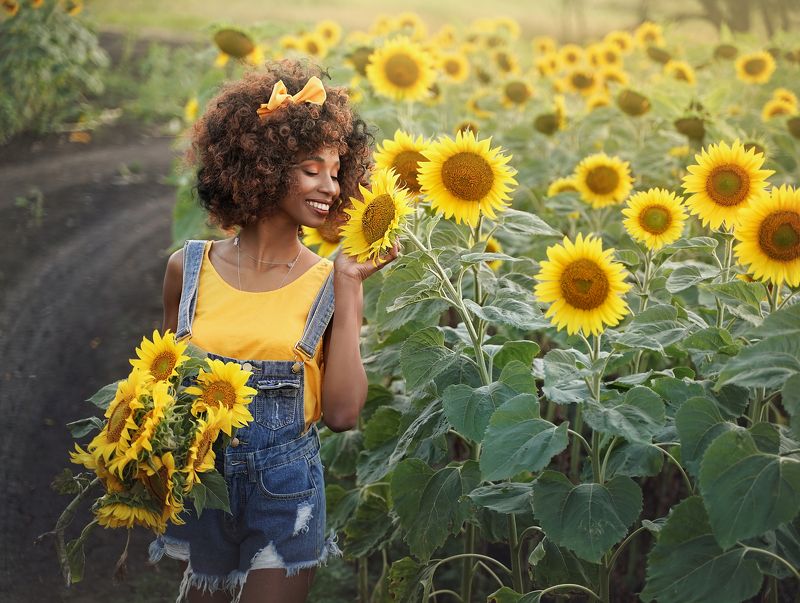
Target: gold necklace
[{"x": 291, "y": 264}]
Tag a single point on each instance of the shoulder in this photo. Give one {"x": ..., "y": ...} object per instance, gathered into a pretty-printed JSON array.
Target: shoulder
[{"x": 175, "y": 264}]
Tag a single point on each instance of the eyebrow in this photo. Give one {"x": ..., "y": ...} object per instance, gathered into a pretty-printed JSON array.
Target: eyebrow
[{"x": 319, "y": 160}]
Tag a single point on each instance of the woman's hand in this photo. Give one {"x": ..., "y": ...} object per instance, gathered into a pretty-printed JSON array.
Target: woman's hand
[{"x": 347, "y": 266}]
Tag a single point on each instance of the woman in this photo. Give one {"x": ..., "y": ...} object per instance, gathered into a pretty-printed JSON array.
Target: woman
[{"x": 277, "y": 151}]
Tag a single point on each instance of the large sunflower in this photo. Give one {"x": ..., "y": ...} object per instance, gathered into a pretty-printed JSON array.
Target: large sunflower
[
  {"x": 200, "y": 457},
  {"x": 724, "y": 180},
  {"x": 401, "y": 70},
  {"x": 654, "y": 217},
  {"x": 116, "y": 512},
  {"x": 755, "y": 68},
  {"x": 402, "y": 154},
  {"x": 584, "y": 286},
  {"x": 375, "y": 222},
  {"x": 161, "y": 357},
  {"x": 768, "y": 236},
  {"x": 157, "y": 478},
  {"x": 114, "y": 437},
  {"x": 327, "y": 236},
  {"x": 602, "y": 180},
  {"x": 465, "y": 177},
  {"x": 223, "y": 388}
]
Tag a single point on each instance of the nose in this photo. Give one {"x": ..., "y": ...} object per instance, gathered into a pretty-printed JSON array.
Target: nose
[{"x": 327, "y": 185}]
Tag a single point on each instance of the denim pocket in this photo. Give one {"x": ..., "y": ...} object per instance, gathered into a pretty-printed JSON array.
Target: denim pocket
[
  {"x": 288, "y": 480},
  {"x": 276, "y": 404}
]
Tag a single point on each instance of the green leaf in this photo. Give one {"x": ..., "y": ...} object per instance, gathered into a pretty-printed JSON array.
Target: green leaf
[
  {"x": 367, "y": 530},
  {"x": 781, "y": 323},
  {"x": 470, "y": 258},
  {"x": 518, "y": 440},
  {"x": 76, "y": 559},
  {"x": 563, "y": 378},
  {"x": 712, "y": 339},
  {"x": 634, "y": 460},
  {"x": 699, "y": 423},
  {"x": 507, "y": 309},
  {"x": 504, "y": 595},
  {"x": 766, "y": 437},
  {"x": 82, "y": 427},
  {"x": 768, "y": 363},
  {"x": 429, "y": 503},
  {"x": 705, "y": 243},
  {"x": 790, "y": 396},
  {"x": 340, "y": 505},
  {"x": 636, "y": 417},
  {"x": 526, "y": 223},
  {"x": 507, "y": 497},
  {"x": 560, "y": 566},
  {"x": 216, "y": 491},
  {"x": 382, "y": 427},
  {"x": 688, "y": 566},
  {"x": 429, "y": 423},
  {"x": 396, "y": 284},
  {"x": 653, "y": 329},
  {"x": 784, "y": 541},
  {"x": 746, "y": 491},
  {"x": 104, "y": 395},
  {"x": 588, "y": 518},
  {"x": 738, "y": 292},
  {"x": 524, "y": 351},
  {"x": 684, "y": 277},
  {"x": 406, "y": 578},
  {"x": 423, "y": 356},
  {"x": 339, "y": 452},
  {"x": 675, "y": 392}
]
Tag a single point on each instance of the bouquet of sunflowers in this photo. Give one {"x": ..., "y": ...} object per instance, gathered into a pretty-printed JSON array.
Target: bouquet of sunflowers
[{"x": 155, "y": 448}]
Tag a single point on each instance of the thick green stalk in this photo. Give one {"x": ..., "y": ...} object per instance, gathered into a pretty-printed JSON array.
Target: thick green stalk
[
  {"x": 513, "y": 545},
  {"x": 644, "y": 299},
  {"x": 469, "y": 543},
  {"x": 575, "y": 450},
  {"x": 726, "y": 274},
  {"x": 363, "y": 580}
]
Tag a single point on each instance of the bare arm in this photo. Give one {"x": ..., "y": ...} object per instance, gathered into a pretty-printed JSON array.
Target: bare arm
[
  {"x": 173, "y": 283},
  {"x": 344, "y": 385}
]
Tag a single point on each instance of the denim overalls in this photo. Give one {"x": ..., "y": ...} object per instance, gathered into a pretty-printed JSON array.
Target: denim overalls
[{"x": 272, "y": 469}]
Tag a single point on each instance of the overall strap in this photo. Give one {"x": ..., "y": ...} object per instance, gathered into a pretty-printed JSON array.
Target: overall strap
[
  {"x": 193, "y": 252},
  {"x": 318, "y": 318}
]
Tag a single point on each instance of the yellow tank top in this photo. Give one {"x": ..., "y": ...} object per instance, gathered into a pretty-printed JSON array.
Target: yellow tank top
[{"x": 260, "y": 325}]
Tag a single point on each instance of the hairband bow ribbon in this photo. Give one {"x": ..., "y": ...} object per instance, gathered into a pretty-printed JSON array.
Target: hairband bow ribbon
[{"x": 312, "y": 92}]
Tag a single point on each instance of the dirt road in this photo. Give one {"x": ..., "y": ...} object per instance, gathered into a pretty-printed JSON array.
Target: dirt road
[{"x": 80, "y": 283}]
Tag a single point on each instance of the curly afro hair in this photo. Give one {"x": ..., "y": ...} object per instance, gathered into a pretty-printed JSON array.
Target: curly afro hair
[{"x": 245, "y": 162}]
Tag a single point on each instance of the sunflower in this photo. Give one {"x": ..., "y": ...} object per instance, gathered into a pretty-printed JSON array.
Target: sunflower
[
  {"x": 605, "y": 55},
  {"x": 37, "y": 3},
  {"x": 464, "y": 178},
  {"x": 570, "y": 55},
  {"x": 314, "y": 45},
  {"x": 654, "y": 217},
  {"x": 649, "y": 34},
  {"x": 583, "y": 81},
  {"x": 223, "y": 388},
  {"x": 10, "y": 7},
  {"x": 621, "y": 39},
  {"x": 160, "y": 358},
  {"x": 326, "y": 236},
  {"x": 768, "y": 237},
  {"x": 414, "y": 22},
  {"x": 329, "y": 31},
  {"x": 613, "y": 74},
  {"x": 359, "y": 58},
  {"x": 776, "y": 107},
  {"x": 633, "y": 103},
  {"x": 681, "y": 71},
  {"x": 544, "y": 45},
  {"x": 755, "y": 68},
  {"x": 237, "y": 44},
  {"x": 561, "y": 185},
  {"x": 96, "y": 463},
  {"x": 190, "y": 110},
  {"x": 72, "y": 7},
  {"x": 466, "y": 125},
  {"x": 115, "y": 435},
  {"x": 724, "y": 180},
  {"x": 493, "y": 246},
  {"x": 200, "y": 456},
  {"x": 374, "y": 222},
  {"x": 584, "y": 286},
  {"x": 516, "y": 93},
  {"x": 445, "y": 37},
  {"x": 116, "y": 512},
  {"x": 786, "y": 96},
  {"x": 597, "y": 100},
  {"x": 475, "y": 108},
  {"x": 157, "y": 478},
  {"x": 400, "y": 70},
  {"x": 547, "y": 65},
  {"x": 726, "y": 52},
  {"x": 505, "y": 61},
  {"x": 602, "y": 180},
  {"x": 455, "y": 66},
  {"x": 289, "y": 43},
  {"x": 402, "y": 154}
]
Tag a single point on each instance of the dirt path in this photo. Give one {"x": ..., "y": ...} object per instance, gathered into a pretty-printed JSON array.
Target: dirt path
[{"x": 80, "y": 283}]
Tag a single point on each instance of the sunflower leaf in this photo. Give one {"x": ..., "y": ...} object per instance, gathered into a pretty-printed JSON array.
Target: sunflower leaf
[
  {"x": 506, "y": 497},
  {"x": 81, "y": 427},
  {"x": 104, "y": 395},
  {"x": 684, "y": 277},
  {"x": 526, "y": 223},
  {"x": 699, "y": 422},
  {"x": 423, "y": 356},
  {"x": 636, "y": 416},
  {"x": 215, "y": 491}
]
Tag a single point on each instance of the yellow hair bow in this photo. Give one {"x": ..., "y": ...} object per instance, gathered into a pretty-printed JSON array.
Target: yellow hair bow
[{"x": 312, "y": 92}]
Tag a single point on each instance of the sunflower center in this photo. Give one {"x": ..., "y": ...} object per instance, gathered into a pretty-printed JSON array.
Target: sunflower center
[
  {"x": 452, "y": 67},
  {"x": 681, "y": 74},
  {"x": 779, "y": 236},
  {"x": 117, "y": 419},
  {"x": 156, "y": 486},
  {"x": 503, "y": 61},
  {"x": 517, "y": 92},
  {"x": 584, "y": 285},
  {"x": 602, "y": 180},
  {"x": 655, "y": 219},
  {"x": 219, "y": 393},
  {"x": 312, "y": 47},
  {"x": 755, "y": 66},
  {"x": 203, "y": 446},
  {"x": 468, "y": 176},
  {"x": 582, "y": 81},
  {"x": 779, "y": 110},
  {"x": 406, "y": 164},
  {"x": 728, "y": 185},
  {"x": 377, "y": 217},
  {"x": 402, "y": 71},
  {"x": 162, "y": 365}
]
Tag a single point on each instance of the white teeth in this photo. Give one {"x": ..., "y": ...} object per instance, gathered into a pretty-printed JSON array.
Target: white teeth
[{"x": 315, "y": 205}]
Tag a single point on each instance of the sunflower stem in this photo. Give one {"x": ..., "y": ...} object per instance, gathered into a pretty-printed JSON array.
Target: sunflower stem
[
  {"x": 726, "y": 274},
  {"x": 645, "y": 297},
  {"x": 774, "y": 297}
]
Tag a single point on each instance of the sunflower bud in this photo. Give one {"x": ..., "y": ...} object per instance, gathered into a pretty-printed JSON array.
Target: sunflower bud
[
  {"x": 691, "y": 127},
  {"x": 359, "y": 58},
  {"x": 659, "y": 55},
  {"x": 793, "y": 125},
  {"x": 546, "y": 123},
  {"x": 234, "y": 42},
  {"x": 726, "y": 52},
  {"x": 633, "y": 103}
]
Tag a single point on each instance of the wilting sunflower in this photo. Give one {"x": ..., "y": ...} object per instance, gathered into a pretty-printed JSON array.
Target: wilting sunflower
[
  {"x": 157, "y": 478},
  {"x": 464, "y": 177},
  {"x": 375, "y": 222},
  {"x": 329, "y": 31},
  {"x": 561, "y": 185},
  {"x": 401, "y": 70},
  {"x": 724, "y": 180},
  {"x": 223, "y": 388},
  {"x": 161, "y": 357},
  {"x": 200, "y": 457},
  {"x": 649, "y": 34},
  {"x": 516, "y": 93},
  {"x": 776, "y": 107},
  {"x": 633, "y": 103},
  {"x": 359, "y": 58},
  {"x": 602, "y": 180},
  {"x": 118, "y": 512},
  {"x": 654, "y": 218},
  {"x": 768, "y": 236},
  {"x": 681, "y": 71},
  {"x": 326, "y": 236},
  {"x": 584, "y": 286},
  {"x": 115, "y": 435},
  {"x": 402, "y": 154},
  {"x": 755, "y": 68},
  {"x": 455, "y": 66},
  {"x": 786, "y": 96}
]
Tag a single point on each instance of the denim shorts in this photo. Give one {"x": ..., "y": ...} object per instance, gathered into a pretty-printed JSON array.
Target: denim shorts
[{"x": 277, "y": 495}]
